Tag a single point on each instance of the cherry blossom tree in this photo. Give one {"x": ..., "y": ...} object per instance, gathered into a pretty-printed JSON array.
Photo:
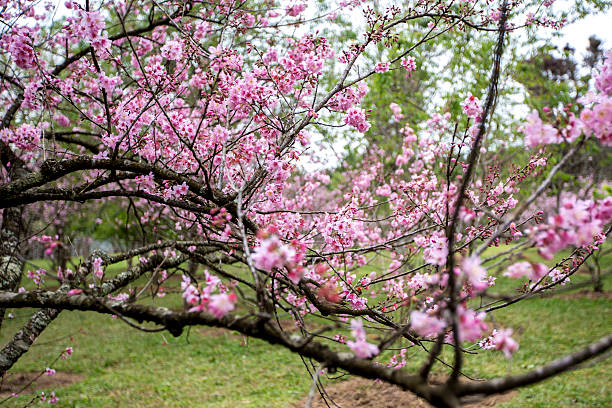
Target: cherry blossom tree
[{"x": 187, "y": 128}]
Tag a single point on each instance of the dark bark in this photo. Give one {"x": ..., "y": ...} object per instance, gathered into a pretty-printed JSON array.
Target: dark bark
[
  {"x": 11, "y": 261},
  {"x": 24, "y": 338}
]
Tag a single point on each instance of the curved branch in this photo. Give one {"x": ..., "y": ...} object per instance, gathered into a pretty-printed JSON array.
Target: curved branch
[
  {"x": 558, "y": 366},
  {"x": 254, "y": 326}
]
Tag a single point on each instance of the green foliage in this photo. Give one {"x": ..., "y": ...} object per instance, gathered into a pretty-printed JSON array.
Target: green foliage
[{"x": 605, "y": 191}]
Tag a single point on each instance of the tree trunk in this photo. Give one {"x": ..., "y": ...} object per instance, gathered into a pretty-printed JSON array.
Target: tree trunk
[{"x": 11, "y": 261}]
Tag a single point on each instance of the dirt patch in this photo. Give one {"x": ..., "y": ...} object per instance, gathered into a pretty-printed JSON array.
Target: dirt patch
[
  {"x": 15, "y": 382},
  {"x": 362, "y": 393},
  {"x": 584, "y": 294},
  {"x": 288, "y": 326},
  {"x": 219, "y": 332}
]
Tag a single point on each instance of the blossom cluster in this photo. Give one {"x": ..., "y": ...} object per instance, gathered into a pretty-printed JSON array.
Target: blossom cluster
[
  {"x": 578, "y": 223},
  {"x": 273, "y": 254},
  {"x": 202, "y": 299},
  {"x": 360, "y": 346}
]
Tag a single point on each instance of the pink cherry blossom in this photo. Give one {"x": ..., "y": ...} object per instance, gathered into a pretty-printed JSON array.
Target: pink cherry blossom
[
  {"x": 19, "y": 45},
  {"x": 360, "y": 346},
  {"x": 425, "y": 324},
  {"x": 295, "y": 10},
  {"x": 172, "y": 50},
  {"x": 97, "y": 267},
  {"x": 272, "y": 253},
  {"x": 436, "y": 250},
  {"x": 537, "y": 133},
  {"x": 62, "y": 120},
  {"x": 381, "y": 67},
  {"x": 538, "y": 271},
  {"x": 518, "y": 270},
  {"x": 397, "y": 111},
  {"x": 558, "y": 276},
  {"x": 471, "y": 106},
  {"x": 603, "y": 80},
  {"x": 357, "y": 118},
  {"x": 471, "y": 324},
  {"x": 409, "y": 64},
  {"x": 502, "y": 341},
  {"x": 579, "y": 223},
  {"x": 474, "y": 273},
  {"x": 222, "y": 304}
]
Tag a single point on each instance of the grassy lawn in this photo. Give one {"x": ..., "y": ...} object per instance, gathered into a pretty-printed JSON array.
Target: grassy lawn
[{"x": 213, "y": 368}]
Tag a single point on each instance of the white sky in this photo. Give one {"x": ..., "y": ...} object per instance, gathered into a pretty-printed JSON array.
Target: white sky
[{"x": 577, "y": 34}]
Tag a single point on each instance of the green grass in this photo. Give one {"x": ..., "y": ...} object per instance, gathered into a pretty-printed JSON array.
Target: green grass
[
  {"x": 125, "y": 367},
  {"x": 551, "y": 328},
  {"x": 206, "y": 368},
  {"x": 212, "y": 368}
]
